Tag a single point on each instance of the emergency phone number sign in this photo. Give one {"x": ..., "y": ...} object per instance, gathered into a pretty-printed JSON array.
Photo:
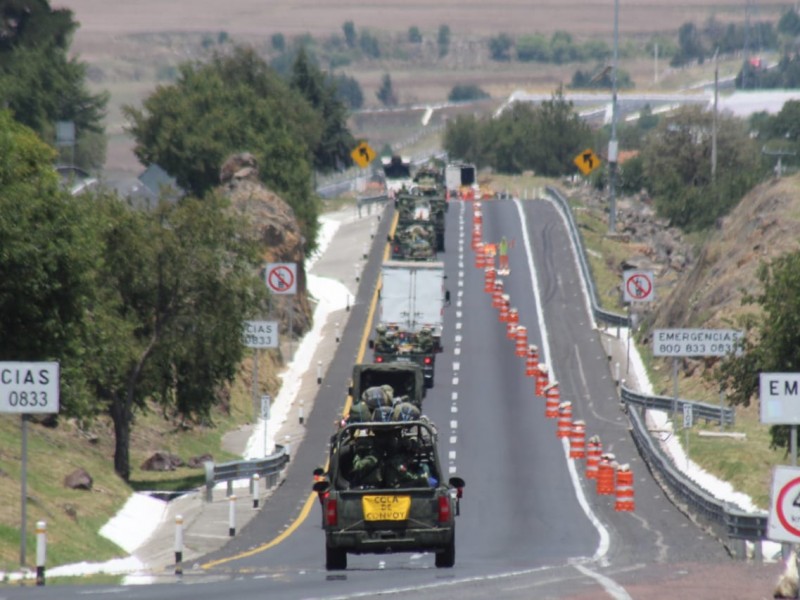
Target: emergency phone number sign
[
  {"x": 260, "y": 334},
  {"x": 696, "y": 342},
  {"x": 29, "y": 387}
]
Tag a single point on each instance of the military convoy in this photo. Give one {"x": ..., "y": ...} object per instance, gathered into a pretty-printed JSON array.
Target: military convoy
[{"x": 383, "y": 490}]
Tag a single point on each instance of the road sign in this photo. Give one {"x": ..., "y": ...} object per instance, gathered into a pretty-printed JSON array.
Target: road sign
[
  {"x": 587, "y": 161},
  {"x": 260, "y": 334},
  {"x": 696, "y": 342},
  {"x": 265, "y": 400},
  {"x": 783, "y": 524},
  {"x": 637, "y": 286},
  {"x": 282, "y": 278},
  {"x": 688, "y": 416},
  {"x": 779, "y": 397},
  {"x": 29, "y": 387},
  {"x": 363, "y": 155}
]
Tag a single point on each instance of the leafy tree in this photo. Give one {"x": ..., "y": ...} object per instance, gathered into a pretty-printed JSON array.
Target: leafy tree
[
  {"x": 181, "y": 280},
  {"x": 443, "y": 40},
  {"x": 789, "y": 23},
  {"x": 40, "y": 83},
  {"x": 562, "y": 48},
  {"x": 677, "y": 164},
  {"x": 334, "y": 146},
  {"x": 350, "y": 36},
  {"x": 235, "y": 102},
  {"x": 596, "y": 50},
  {"x": 465, "y": 92},
  {"x": 532, "y": 48},
  {"x": 414, "y": 35},
  {"x": 278, "y": 42},
  {"x": 500, "y": 47},
  {"x": 349, "y": 91},
  {"x": 772, "y": 340},
  {"x": 600, "y": 78},
  {"x": 386, "y": 93},
  {"x": 369, "y": 45},
  {"x": 462, "y": 139},
  {"x": 690, "y": 46}
]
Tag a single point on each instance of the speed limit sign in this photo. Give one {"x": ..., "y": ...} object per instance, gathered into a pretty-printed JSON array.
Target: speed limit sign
[{"x": 784, "y": 510}]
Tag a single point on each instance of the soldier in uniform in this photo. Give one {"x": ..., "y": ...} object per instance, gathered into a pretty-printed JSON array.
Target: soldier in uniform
[
  {"x": 405, "y": 410},
  {"x": 366, "y": 469},
  {"x": 425, "y": 339}
]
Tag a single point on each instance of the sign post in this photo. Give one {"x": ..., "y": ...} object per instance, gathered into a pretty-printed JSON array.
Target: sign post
[
  {"x": 688, "y": 421},
  {"x": 258, "y": 335},
  {"x": 265, "y": 405},
  {"x": 637, "y": 286},
  {"x": 28, "y": 388}
]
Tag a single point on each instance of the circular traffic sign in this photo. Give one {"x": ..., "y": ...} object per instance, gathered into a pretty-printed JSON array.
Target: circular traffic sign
[
  {"x": 789, "y": 502},
  {"x": 639, "y": 286},
  {"x": 280, "y": 279}
]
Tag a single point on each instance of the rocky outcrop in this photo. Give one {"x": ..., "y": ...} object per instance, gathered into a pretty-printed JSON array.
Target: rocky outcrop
[
  {"x": 162, "y": 461},
  {"x": 276, "y": 226},
  {"x": 79, "y": 479}
]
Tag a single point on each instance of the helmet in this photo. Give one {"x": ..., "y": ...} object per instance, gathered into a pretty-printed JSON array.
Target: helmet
[{"x": 381, "y": 328}]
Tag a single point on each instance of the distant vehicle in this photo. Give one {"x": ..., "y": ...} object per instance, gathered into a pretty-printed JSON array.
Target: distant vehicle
[
  {"x": 397, "y": 173},
  {"x": 461, "y": 181},
  {"x": 384, "y": 492}
]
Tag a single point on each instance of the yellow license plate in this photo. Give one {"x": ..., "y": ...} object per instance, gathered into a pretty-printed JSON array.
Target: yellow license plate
[{"x": 386, "y": 508}]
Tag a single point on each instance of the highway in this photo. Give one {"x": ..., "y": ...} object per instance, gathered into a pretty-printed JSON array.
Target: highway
[{"x": 531, "y": 524}]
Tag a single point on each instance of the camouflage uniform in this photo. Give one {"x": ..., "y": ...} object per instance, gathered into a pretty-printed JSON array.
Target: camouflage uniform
[{"x": 425, "y": 339}]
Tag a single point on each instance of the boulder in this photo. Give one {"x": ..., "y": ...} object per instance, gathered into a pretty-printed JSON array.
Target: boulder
[
  {"x": 79, "y": 479},
  {"x": 162, "y": 461},
  {"x": 196, "y": 462}
]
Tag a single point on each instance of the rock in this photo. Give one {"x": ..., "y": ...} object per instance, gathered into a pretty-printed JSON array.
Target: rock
[
  {"x": 196, "y": 462},
  {"x": 162, "y": 461},
  {"x": 71, "y": 511},
  {"x": 79, "y": 479}
]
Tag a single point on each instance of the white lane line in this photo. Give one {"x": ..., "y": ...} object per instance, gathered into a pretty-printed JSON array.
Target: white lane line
[
  {"x": 453, "y": 439},
  {"x": 454, "y": 396},
  {"x": 451, "y": 455},
  {"x": 459, "y": 304},
  {"x": 611, "y": 587},
  {"x": 457, "y": 351},
  {"x": 458, "y": 325},
  {"x": 454, "y": 409},
  {"x": 458, "y": 339},
  {"x": 456, "y": 366},
  {"x": 455, "y": 380},
  {"x": 453, "y": 424},
  {"x": 459, "y": 314}
]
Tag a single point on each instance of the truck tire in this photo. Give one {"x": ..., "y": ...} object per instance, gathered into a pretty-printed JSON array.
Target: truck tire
[
  {"x": 446, "y": 559},
  {"x": 336, "y": 559}
]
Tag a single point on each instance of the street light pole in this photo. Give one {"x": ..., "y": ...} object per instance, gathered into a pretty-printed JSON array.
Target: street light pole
[{"x": 612, "y": 144}]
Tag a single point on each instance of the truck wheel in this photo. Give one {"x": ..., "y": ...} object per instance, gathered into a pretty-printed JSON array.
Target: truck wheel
[
  {"x": 336, "y": 559},
  {"x": 447, "y": 558}
]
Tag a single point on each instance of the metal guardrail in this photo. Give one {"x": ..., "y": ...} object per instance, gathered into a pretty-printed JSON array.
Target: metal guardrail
[
  {"x": 269, "y": 467},
  {"x": 726, "y": 520},
  {"x": 722, "y": 415}
]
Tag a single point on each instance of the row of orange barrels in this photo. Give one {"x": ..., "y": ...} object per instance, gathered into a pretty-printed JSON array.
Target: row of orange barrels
[{"x": 609, "y": 477}]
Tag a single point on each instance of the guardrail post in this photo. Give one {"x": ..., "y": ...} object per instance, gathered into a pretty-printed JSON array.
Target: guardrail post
[
  {"x": 231, "y": 515},
  {"x": 300, "y": 415},
  {"x": 256, "y": 491},
  {"x": 357, "y": 272},
  {"x": 336, "y": 332},
  {"x": 319, "y": 372},
  {"x": 178, "y": 545},
  {"x": 229, "y": 490},
  {"x": 209, "y": 467},
  {"x": 41, "y": 551}
]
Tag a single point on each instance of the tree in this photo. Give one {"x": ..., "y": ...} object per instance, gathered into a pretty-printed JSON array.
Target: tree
[
  {"x": 369, "y": 45},
  {"x": 414, "y": 35},
  {"x": 334, "y": 146},
  {"x": 350, "y": 37},
  {"x": 772, "y": 337},
  {"x": 278, "y": 42},
  {"x": 443, "y": 40},
  {"x": 349, "y": 91},
  {"x": 386, "y": 93},
  {"x": 41, "y": 84},
  {"x": 690, "y": 46},
  {"x": 466, "y": 92},
  {"x": 233, "y": 103},
  {"x": 533, "y": 48},
  {"x": 789, "y": 23},
  {"x": 500, "y": 47},
  {"x": 180, "y": 281},
  {"x": 677, "y": 165}
]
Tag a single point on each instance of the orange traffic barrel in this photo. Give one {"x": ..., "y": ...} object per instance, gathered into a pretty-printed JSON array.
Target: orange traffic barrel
[
  {"x": 497, "y": 294},
  {"x": 505, "y": 307},
  {"x": 513, "y": 320},
  {"x": 541, "y": 379},
  {"x": 577, "y": 440},
  {"x": 593, "y": 453},
  {"x": 532, "y": 361},
  {"x": 552, "y": 400},
  {"x": 624, "y": 489},
  {"x": 605, "y": 475},
  {"x": 477, "y": 234},
  {"x": 488, "y": 255},
  {"x": 489, "y": 276},
  {"x": 521, "y": 341},
  {"x": 564, "y": 426},
  {"x": 480, "y": 261}
]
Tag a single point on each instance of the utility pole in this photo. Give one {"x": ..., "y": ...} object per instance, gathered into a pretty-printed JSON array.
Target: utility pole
[
  {"x": 714, "y": 122},
  {"x": 612, "y": 144},
  {"x": 655, "y": 63}
]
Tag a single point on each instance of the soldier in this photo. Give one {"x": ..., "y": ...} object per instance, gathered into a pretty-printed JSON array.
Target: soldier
[
  {"x": 404, "y": 410},
  {"x": 366, "y": 469},
  {"x": 425, "y": 339}
]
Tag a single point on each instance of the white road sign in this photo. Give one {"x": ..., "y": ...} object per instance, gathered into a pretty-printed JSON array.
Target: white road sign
[
  {"x": 29, "y": 387},
  {"x": 282, "y": 278},
  {"x": 779, "y": 397},
  {"x": 688, "y": 416},
  {"x": 783, "y": 524},
  {"x": 260, "y": 334},
  {"x": 695, "y": 342},
  {"x": 637, "y": 286}
]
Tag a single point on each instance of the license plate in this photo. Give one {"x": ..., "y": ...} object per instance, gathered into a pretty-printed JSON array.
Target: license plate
[
  {"x": 403, "y": 359},
  {"x": 386, "y": 508}
]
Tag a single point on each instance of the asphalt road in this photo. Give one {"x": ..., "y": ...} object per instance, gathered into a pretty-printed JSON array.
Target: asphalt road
[{"x": 530, "y": 525}]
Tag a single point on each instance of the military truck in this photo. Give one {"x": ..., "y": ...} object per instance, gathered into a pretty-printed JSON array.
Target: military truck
[
  {"x": 422, "y": 209},
  {"x": 414, "y": 241},
  {"x": 397, "y": 174},
  {"x": 392, "y": 344},
  {"x": 405, "y": 379},
  {"x": 384, "y": 492}
]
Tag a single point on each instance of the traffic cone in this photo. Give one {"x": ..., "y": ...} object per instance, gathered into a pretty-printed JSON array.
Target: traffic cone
[
  {"x": 605, "y": 475},
  {"x": 505, "y": 308},
  {"x": 593, "y": 453},
  {"x": 479, "y": 256},
  {"x": 624, "y": 489},
  {"x": 532, "y": 361},
  {"x": 513, "y": 319},
  {"x": 497, "y": 294},
  {"x": 577, "y": 440}
]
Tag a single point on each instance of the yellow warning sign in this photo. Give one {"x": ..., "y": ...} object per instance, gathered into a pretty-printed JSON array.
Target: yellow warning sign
[
  {"x": 363, "y": 155},
  {"x": 587, "y": 161}
]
